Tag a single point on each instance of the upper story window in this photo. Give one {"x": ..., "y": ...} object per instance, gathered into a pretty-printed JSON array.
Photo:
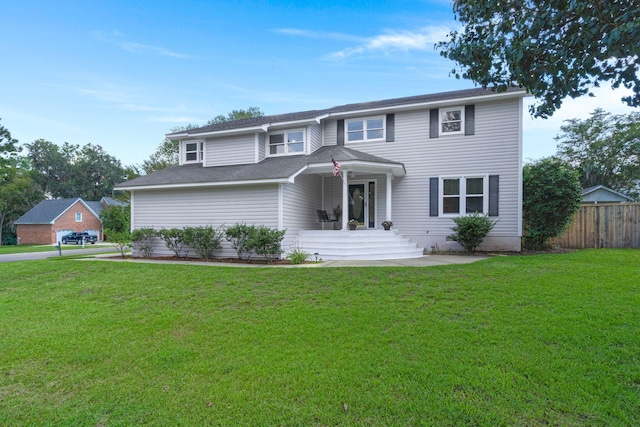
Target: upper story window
[
  {"x": 78, "y": 216},
  {"x": 286, "y": 142},
  {"x": 451, "y": 120},
  {"x": 464, "y": 195},
  {"x": 193, "y": 151},
  {"x": 367, "y": 129}
]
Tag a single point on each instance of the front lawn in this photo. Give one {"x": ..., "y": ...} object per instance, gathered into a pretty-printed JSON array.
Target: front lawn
[{"x": 510, "y": 341}]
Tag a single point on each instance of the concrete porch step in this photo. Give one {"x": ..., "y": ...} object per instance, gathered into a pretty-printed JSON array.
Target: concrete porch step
[{"x": 357, "y": 245}]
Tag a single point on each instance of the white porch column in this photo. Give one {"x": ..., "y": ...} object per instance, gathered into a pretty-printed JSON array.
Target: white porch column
[
  {"x": 345, "y": 199},
  {"x": 388, "y": 197}
]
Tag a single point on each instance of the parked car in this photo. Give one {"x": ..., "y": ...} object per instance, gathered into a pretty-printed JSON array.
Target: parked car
[{"x": 78, "y": 237}]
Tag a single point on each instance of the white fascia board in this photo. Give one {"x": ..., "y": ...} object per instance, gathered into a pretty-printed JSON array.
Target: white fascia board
[
  {"x": 262, "y": 128},
  {"x": 359, "y": 166},
  {"x": 295, "y": 174},
  {"x": 207, "y": 184},
  {"x": 320, "y": 118},
  {"x": 432, "y": 104},
  {"x": 293, "y": 123}
]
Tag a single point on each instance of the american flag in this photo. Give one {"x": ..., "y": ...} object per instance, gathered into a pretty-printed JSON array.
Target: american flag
[{"x": 336, "y": 167}]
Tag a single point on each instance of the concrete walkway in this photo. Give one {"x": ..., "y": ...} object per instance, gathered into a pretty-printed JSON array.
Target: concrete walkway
[{"x": 425, "y": 261}]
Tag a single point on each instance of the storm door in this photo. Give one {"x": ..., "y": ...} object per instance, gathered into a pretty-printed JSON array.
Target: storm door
[{"x": 362, "y": 206}]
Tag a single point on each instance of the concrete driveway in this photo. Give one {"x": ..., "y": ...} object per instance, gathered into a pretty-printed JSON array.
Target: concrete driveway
[{"x": 28, "y": 256}]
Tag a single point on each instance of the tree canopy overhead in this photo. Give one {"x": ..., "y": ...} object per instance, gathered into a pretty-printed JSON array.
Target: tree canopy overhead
[{"x": 553, "y": 48}]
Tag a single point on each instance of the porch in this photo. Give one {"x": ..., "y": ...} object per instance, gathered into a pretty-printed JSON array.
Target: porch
[{"x": 356, "y": 245}]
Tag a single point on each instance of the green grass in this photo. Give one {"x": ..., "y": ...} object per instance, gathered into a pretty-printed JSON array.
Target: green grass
[
  {"x": 15, "y": 249},
  {"x": 510, "y": 341}
]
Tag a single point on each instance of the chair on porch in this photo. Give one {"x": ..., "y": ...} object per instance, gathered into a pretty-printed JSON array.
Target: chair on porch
[{"x": 324, "y": 217}]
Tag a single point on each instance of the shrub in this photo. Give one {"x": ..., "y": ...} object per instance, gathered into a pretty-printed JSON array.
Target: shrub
[
  {"x": 266, "y": 242},
  {"x": 142, "y": 240},
  {"x": 551, "y": 196},
  {"x": 173, "y": 238},
  {"x": 470, "y": 230},
  {"x": 116, "y": 218},
  {"x": 203, "y": 240},
  {"x": 239, "y": 235},
  {"x": 297, "y": 256},
  {"x": 121, "y": 240}
]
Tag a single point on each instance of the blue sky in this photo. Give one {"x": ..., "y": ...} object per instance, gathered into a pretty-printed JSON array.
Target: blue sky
[{"x": 121, "y": 74}]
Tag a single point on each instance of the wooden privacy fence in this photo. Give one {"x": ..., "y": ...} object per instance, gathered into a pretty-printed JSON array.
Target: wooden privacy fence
[{"x": 611, "y": 225}]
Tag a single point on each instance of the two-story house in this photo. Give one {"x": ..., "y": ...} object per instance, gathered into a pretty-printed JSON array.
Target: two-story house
[{"x": 418, "y": 161}]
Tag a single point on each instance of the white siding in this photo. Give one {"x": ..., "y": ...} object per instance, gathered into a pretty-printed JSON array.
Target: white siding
[
  {"x": 206, "y": 206},
  {"x": 231, "y": 150},
  {"x": 330, "y": 131},
  {"x": 300, "y": 202},
  {"x": 315, "y": 137},
  {"x": 493, "y": 150},
  {"x": 261, "y": 146}
]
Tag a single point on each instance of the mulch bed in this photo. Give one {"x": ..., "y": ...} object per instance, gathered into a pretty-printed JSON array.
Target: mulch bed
[{"x": 212, "y": 260}]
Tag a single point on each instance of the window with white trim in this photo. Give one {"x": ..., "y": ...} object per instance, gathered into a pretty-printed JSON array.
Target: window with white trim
[
  {"x": 193, "y": 151},
  {"x": 78, "y": 216},
  {"x": 464, "y": 195},
  {"x": 286, "y": 143},
  {"x": 367, "y": 129},
  {"x": 451, "y": 120}
]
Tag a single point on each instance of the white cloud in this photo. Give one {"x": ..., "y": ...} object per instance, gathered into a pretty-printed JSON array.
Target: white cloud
[
  {"x": 424, "y": 39},
  {"x": 143, "y": 48},
  {"x": 117, "y": 38},
  {"x": 318, "y": 34}
]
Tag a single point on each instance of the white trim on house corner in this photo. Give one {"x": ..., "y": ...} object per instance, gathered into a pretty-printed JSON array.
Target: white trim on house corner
[
  {"x": 257, "y": 147},
  {"x": 280, "y": 206},
  {"x": 131, "y": 212}
]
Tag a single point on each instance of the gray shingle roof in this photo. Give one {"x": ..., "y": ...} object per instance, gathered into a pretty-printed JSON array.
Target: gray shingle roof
[
  {"x": 273, "y": 168},
  {"x": 47, "y": 211},
  {"x": 304, "y": 115}
]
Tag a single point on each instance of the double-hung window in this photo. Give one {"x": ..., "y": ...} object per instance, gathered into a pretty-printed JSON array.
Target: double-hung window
[
  {"x": 368, "y": 129},
  {"x": 451, "y": 120},
  {"x": 286, "y": 143},
  {"x": 464, "y": 195},
  {"x": 78, "y": 216},
  {"x": 193, "y": 151}
]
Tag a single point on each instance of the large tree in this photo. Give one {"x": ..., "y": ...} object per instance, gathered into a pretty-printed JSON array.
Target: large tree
[
  {"x": 553, "y": 48},
  {"x": 167, "y": 152},
  {"x": 605, "y": 149},
  {"x": 18, "y": 192},
  {"x": 70, "y": 171}
]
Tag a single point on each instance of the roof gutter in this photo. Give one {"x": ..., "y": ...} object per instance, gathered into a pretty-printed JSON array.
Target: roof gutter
[{"x": 206, "y": 184}]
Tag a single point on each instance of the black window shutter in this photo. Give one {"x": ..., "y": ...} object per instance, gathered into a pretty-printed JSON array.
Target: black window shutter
[
  {"x": 433, "y": 123},
  {"x": 433, "y": 196},
  {"x": 494, "y": 183},
  {"x": 469, "y": 119},
  {"x": 391, "y": 127},
  {"x": 340, "y": 131}
]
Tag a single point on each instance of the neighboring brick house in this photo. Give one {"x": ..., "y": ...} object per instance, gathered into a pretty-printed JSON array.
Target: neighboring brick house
[{"x": 49, "y": 220}]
